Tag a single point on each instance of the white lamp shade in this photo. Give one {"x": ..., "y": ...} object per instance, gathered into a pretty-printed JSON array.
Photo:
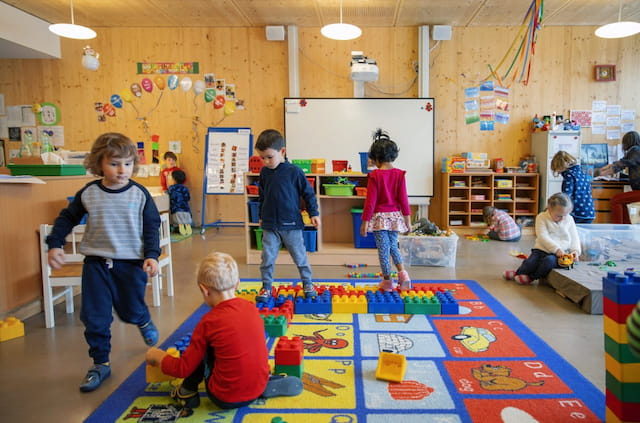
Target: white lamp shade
[
  {"x": 618, "y": 30},
  {"x": 77, "y": 32},
  {"x": 341, "y": 31}
]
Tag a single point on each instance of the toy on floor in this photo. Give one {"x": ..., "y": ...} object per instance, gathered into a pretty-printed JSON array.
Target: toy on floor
[
  {"x": 566, "y": 261},
  {"x": 518, "y": 254},
  {"x": 154, "y": 373},
  {"x": 391, "y": 367},
  {"x": 354, "y": 266},
  {"x": 369, "y": 275},
  {"x": 11, "y": 328},
  {"x": 479, "y": 237}
]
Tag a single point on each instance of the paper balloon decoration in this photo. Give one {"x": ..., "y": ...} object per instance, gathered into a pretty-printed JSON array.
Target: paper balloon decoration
[
  {"x": 136, "y": 90},
  {"x": 218, "y": 102},
  {"x": 229, "y": 108},
  {"x": 109, "y": 110},
  {"x": 159, "y": 82},
  {"x": 126, "y": 95},
  {"x": 147, "y": 85},
  {"x": 186, "y": 84},
  {"x": 90, "y": 59},
  {"x": 36, "y": 108},
  {"x": 172, "y": 82},
  {"x": 198, "y": 87},
  {"x": 116, "y": 101},
  {"x": 209, "y": 95}
]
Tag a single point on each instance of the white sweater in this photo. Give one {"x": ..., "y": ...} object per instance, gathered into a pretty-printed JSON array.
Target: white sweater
[{"x": 551, "y": 236}]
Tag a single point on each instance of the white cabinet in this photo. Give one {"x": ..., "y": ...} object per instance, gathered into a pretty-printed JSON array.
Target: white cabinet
[{"x": 544, "y": 145}]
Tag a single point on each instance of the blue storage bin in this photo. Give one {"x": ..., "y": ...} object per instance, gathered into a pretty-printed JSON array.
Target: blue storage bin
[
  {"x": 83, "y": 221},
  {"x": 364, "y": 161},
  {"x": 358, "y": 241},
  {"x": 310, "y": 236},
  {"x": 254, "y": 211}
]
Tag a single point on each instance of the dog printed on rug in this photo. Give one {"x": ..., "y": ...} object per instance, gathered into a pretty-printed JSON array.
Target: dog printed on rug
[{"x": 498, "y": 378}]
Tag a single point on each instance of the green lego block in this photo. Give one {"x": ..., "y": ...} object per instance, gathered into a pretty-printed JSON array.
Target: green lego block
[
  {"x": 290, "y": 370},
  {"x": 620, "y": 352},
  {"x": 624, "y": 391},
  {"x": 275, "y": 326},
  {"x": 422, "y": 305}
]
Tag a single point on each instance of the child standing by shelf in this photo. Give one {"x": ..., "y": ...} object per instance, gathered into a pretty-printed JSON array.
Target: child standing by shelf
[
  {"x": 179, "y": 202},
  {"x": 281, "y": 185},
  {"x": 556, "y": 235},
  {"x": 120, "y": 244},
  {"x": 576, "y": 184},
  {"x": 386, "y": 210},
  {"x": 502, "y": 227}
]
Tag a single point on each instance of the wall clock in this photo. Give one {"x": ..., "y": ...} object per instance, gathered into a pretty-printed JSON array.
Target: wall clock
[{"x": 605, "y": 73}]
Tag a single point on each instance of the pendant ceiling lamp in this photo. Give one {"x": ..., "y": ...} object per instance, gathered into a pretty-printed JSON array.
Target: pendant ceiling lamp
[
  {"x": 618, "y": 29},
  {"x": 72, "y": 30},
  {"x": 341, "y": 31}
]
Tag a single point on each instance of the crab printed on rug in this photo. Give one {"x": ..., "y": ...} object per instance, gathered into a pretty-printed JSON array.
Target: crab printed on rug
[{"x": 324, "y": 340}]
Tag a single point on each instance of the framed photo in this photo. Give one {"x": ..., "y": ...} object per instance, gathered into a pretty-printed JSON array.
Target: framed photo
[
  {"x": 3, "y": 153},
  {"x": 604, "y": 73}
]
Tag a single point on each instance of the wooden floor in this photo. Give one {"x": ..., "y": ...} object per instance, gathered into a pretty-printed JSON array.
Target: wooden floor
[{"x": 40, "y": 372}]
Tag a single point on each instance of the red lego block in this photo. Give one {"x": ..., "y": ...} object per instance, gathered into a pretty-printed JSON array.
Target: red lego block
[
  {"x": 615, "y": 311},
  {"x": 289, "y": 352},
  {"x": 625, "y": 411}
]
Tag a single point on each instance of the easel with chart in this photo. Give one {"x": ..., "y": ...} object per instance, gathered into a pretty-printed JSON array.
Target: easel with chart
[{"x": 226, "y": 159}]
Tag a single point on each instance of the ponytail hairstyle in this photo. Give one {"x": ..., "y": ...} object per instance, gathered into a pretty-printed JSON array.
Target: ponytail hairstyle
[{"x": 383, "y": 149}]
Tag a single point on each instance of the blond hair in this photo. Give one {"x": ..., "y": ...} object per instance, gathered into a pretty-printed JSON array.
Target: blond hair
[
  {"x": 487, "y": 214},
  {"x": 218, "y": 271},
  {"x": 560, "y": 199},
  {"x": 110, "y": 145},
  {"x": 562, "y": 161}
]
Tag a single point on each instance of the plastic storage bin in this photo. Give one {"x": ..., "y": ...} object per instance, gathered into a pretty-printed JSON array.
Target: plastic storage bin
[
  {"x": 606, "y": 241},
  {"x": 429, "y": 250},
  {"x": 254, "y": 211},
  {"x": 318, "y": 166},
  {"x": 305, "y": 165},
  {"x": 258, "y": 234},
  {"x": 310, "y": 236},
  {"x": 364, "y": 161},
  {"x": 339, "y": 165},
  {"x": 47, "y": 170},
  {"x": 339, "y": 190},
  {"x": 358, "y": 241}
]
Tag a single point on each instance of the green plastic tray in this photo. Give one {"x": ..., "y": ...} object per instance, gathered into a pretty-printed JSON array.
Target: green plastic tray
[{"x": 48, "y": 170}]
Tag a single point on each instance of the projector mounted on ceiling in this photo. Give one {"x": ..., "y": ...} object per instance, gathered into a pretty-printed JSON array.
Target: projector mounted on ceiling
[{"x": 363, "y": 68}]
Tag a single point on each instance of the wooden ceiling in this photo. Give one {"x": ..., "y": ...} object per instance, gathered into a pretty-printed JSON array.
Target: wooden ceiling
[{"x": 316, "y": 13}]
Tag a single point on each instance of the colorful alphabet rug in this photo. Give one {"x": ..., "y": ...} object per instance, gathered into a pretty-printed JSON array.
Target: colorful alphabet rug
[{"x": 481, "y": 365}]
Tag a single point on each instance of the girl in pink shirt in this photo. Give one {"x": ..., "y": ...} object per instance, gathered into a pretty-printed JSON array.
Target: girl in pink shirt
[{"x": 386, "y": 210}]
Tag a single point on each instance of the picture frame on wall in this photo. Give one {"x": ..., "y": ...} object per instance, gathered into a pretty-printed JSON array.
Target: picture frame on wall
[
  {"x": 605, "y": 73},
  {"x": 3, "y": 153}
]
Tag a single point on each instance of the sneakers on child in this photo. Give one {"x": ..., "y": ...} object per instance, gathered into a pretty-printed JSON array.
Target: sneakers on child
[
  {"x": 263, "y": 296},
  {"x": 309, "y": 290},
  {"x": 386, "y": 285},
  {"x": 523, "y": 279},
  {"x": 404, "y": 280},
  {"x": 149, "y": 333},
  {"x": 97, "y": 374},
  {"x": 282, "y": 386},
  {"x": 186, "y": 400},
  {"x": 509, "y": 275}
]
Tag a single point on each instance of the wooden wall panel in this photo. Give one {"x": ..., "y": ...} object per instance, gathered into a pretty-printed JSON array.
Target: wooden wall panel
[{"x": 561, "y": 79}]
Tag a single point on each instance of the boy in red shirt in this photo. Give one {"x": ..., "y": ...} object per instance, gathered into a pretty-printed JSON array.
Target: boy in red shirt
[
  {"x": 170, "y": 160},
  {"x": 227, "y": 348}
]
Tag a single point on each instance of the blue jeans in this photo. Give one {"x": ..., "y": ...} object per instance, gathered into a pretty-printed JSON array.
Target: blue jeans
[
  {"x": 387, "y": 244},
  {"x": 494, "y": 235},
  {"x": 538, "y": 264},
  {"x": 107, "y": 285},
  {"x": 293, "y": 241}
]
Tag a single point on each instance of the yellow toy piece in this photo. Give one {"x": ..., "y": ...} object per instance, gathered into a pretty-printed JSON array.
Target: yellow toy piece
[
  {"x": 391, "y": 367},
  {"x": 11, "y": 328},
  {"x": 154, "y": 373}
]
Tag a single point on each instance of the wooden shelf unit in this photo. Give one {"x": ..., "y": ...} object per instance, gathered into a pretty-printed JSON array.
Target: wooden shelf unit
[
  {"x": 467, "y": 194},
  {"x": 335, "y": 244}
]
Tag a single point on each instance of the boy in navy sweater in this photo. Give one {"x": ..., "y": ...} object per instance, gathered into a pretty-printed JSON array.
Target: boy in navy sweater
[{"x": 281, "y": 186}]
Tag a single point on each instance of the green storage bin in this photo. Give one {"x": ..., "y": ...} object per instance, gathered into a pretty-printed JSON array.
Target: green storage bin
[
  {"x": 338, "y": 190},
  {"x": 48, "y": 170},
  {"x": 258, "y": 232},
  {"x": 305, "y": 165}
]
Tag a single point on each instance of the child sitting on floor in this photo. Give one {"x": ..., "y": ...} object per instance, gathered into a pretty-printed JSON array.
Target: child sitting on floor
[
  {"x": 227, "y": 348},
  {"x": 502, "y": 227}
]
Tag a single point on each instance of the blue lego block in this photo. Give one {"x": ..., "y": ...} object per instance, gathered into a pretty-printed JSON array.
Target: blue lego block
[
  {"x": 384, "y": 303},
  {"x": 621, "y": 288},
  {"x": 268, "y": 305},
  {"x": 320, "y": 304},
  {"x": 281, "y": 299},
  {"x": 448, "y": 304},
  {"x": 183, "y": 343}
]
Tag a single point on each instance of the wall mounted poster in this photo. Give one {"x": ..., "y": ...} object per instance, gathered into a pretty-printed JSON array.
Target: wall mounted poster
[{"x": 227, "y": 159}]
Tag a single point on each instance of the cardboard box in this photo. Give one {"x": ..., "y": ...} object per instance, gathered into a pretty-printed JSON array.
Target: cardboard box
[
  {"x": 453, "y": 164},
  {"x": 475, "y": 156},
  {"x": 429, "y": 250},
  {"x": 606, "y": 241}
]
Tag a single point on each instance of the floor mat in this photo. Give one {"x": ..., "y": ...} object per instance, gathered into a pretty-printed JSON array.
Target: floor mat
[{"x": 482, "y": 365}]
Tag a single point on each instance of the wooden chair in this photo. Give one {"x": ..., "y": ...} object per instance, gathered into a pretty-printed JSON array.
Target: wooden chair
[
  {"x": 69, "y": 276},
  {"x": 164, "y": 261}
]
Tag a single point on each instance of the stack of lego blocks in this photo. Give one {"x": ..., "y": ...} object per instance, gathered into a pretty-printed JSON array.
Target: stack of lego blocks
[
  {"x": 621, "y": 292},
  {"x": 288, "y": 356},
  {"x": 350, "y": 299},
  {"x": 154, "y": 373}
]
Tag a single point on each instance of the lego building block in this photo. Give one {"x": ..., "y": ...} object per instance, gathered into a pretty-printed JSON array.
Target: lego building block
[
  {"x": 625, "y": 411},
  {"x": 610, "y": 417},
  {"x": 320, "y": 304},
  {"x": 620, "y": 352},
  {"x": 616, "y": 331},
  {"x": 275, "y": 326},
  {"x": 183, "y": 343},
  {"x": 615, "y": 311},
  {"x": 625, "y": 392},
  {"x": 290, "y": 370},
  {"x": 621, "y": 288},
  {"x": 289, "y": 352},
  {"x": 385, "y": 302},
  {"x": 391, "y": 367},
  {"x": 421, "y": 305},
  {"x": 624, "y": 372},
  {"x": 154, "y": 373},
  {"x": 349, "y": 304},
  {"x": 11, "y": 328},
  {"x": 448, "y": 304}
]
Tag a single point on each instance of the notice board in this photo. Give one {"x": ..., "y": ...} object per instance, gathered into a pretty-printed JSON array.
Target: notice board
[{"x": 340, "y": 128}]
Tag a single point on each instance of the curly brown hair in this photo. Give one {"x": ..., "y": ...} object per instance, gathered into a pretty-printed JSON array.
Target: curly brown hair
[{"x": 110, "y": 144}]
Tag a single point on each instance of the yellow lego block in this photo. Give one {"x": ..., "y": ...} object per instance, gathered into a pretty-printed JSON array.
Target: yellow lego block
[
  {"x": 154, "y": 373},
  {"x": 11, "y": 328},
  {"x": 616, "y": 331},
  {"x": 391, "y": 367},
  {"x": 349, "y": 304},
  {"x": 624, "y": 372}
]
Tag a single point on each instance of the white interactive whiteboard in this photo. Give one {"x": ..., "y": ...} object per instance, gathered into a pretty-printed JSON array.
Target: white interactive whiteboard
[{"x": 340, "y": 128}]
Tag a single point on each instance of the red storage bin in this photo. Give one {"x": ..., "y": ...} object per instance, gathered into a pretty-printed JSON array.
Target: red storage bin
[{"x": 339, "y": 165}]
